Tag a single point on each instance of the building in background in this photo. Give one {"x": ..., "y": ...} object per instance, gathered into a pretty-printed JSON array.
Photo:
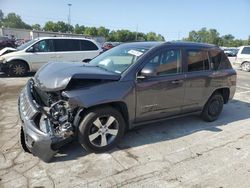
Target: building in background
[{"x": 26, "y": 35}]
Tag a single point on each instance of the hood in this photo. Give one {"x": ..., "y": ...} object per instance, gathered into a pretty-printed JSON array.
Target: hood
[
  {"x": 7, "y": 50},
  {"x": 56, "y": 76}
]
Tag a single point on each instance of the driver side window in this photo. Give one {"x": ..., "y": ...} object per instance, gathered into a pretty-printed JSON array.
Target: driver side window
[
  {"x": 43, "y": 46},
  {"x": 166, "y": 62}
]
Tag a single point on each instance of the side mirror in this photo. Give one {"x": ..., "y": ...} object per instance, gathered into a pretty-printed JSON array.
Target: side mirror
[
  {"x": 31, "y": 49},
  {"x": 147, "y": 72},
  {"x": 86, "y": 60}
]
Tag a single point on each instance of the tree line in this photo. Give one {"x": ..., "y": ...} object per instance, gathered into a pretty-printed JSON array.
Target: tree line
[
  {"x": 212, "y": 36},
  {"x": 205, "y": 35},
  {"x": 13, "y": 20}
]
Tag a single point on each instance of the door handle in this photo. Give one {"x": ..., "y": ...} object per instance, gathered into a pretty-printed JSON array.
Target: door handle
[{"x": 177, "y": 81}]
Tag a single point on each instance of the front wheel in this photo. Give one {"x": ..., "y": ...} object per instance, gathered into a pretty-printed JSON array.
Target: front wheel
[
  {"x": 101, "y": 129},
  {"x": 18, "y": 68},
  {"x": 213, "y": 108}
]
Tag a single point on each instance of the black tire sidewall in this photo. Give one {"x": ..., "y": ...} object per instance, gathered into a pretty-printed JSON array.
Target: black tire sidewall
[
  {"x": 14, "y": 63},
  {"x": 87, "y": 121},
  {"x": 205, "y": 113}
]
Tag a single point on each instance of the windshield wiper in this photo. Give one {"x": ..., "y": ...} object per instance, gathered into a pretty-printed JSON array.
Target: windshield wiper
[{"x": 102, "y": 68}]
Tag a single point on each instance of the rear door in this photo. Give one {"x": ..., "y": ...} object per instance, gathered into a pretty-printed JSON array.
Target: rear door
[
  {"x": 197, "y": 79},
  {"x": 161, "y": 95},
  {"x": 89, "y": 50},
  {"x": 67, "y": 50}
]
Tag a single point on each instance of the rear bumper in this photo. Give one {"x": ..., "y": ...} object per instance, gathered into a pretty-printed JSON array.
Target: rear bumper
[{"x": 39, "y": 143}]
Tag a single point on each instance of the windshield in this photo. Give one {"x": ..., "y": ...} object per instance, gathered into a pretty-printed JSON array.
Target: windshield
[
  {"x": 25, "y": 45},
  {"x": 118, "y": 59}
]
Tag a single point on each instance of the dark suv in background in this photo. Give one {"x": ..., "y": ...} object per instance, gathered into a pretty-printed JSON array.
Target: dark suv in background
[{"x": 129, "y": 85}]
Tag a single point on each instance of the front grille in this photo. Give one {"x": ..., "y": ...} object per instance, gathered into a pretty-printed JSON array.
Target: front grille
[{"x": 27, "y": 106}]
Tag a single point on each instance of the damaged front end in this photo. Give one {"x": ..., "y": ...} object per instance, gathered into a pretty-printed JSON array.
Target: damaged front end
[{"x": 47, "y": 121}]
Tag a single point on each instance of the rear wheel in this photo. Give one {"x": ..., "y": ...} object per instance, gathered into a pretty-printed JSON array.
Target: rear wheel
[
  {"x": 101, "y": 129},
  {"x": 213, "y": 108},
  {"x": 246, "y": 66},
  {"x": 18, "y": 68}
]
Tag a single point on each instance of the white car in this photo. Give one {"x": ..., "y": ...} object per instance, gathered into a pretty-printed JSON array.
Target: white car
[
  {"x": 243, "y": 58},
  {"x": 30, "y": 56}
]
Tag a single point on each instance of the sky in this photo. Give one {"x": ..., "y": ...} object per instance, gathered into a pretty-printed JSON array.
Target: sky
[{"x": 172, "y": 19}]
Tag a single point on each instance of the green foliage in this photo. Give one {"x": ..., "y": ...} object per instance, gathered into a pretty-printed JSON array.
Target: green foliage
[
  {"x": 79, "y": 29},
  {"x": 151, "y": 36},
  {"x": 102, "y": 31},
  {"x": 36, "y": 27},
  {"x": 58, "y": 27},
  {"x": 1, "y": 15},
  {"x": 90, "y": 31},
  {"x": 213, "y": 37},
  {"x": 14, "y": 21}
]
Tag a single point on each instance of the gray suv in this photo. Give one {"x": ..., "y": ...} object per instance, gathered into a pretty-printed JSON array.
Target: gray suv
[{"x": 129, "y": 85}]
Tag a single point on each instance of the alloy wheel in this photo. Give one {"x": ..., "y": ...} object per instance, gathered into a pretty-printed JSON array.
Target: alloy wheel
[{"x": 103, "y": 131}]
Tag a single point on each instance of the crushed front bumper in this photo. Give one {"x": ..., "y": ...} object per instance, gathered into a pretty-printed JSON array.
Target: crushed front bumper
[{"x": 38, "y": 143}]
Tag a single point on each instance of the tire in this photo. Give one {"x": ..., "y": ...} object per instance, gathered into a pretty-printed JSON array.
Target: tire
[
  {"x": 213, "y": 108},
  {"x": 101, "y": 129},
  {"x": 22, "y": 142},
  {"x": 246, "y": 66},
  {"x": 18, "y": 68}
]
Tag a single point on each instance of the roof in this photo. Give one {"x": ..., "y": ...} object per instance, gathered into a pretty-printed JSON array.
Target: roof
[
  {"x": 191, "y": 44},
  {"x": 65, "y": 38},
  {"x": 151, "y": 44}
]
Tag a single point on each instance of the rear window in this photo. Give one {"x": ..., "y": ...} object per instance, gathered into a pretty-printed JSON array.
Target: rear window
[
  {"x": 88, "y": 45},
  {"x": 246, "y": 50},
  {"x": 198, "y": 60},
  {"x": 67, "y": 45}
]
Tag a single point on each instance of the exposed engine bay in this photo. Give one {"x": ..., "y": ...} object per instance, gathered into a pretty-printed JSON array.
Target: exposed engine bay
[{"x": 57, "y": 116}]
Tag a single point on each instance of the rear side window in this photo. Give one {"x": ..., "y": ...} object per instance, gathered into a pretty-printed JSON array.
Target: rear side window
[
  {"x": 219, "y": 60},
  {"x": 198, "y": 60},
  {"x": 88, "y": 45},
  {"x": 246, "y": 50},
  {"x": 67, "y": 45}
]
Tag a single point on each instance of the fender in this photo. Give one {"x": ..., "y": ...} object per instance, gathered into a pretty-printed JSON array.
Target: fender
[
  {"x": 8, "y": 60},
  {"x": 122, "y": 91}
]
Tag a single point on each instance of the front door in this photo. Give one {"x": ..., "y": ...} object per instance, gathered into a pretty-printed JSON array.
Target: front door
[
  {"x": 161, "y": 95},
  {"x": 42, "y": 53}
]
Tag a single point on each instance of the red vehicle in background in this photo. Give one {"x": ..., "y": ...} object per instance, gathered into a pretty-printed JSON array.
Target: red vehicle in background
[
  {"x": 108, "y": 45},
  {"x": 7, "y": 42}
]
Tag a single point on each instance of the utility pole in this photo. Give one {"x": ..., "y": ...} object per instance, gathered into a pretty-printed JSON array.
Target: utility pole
[
  {"x": 136, "y": 32},
  {"x": 69, "y": 4}
]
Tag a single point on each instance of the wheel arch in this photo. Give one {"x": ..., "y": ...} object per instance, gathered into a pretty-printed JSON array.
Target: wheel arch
[
  {"x": 19, "y": 60},
  {"x": 225, "y": 92},
  {"x": 118, "y": 105},
  {"x": 244, "y": 62}
]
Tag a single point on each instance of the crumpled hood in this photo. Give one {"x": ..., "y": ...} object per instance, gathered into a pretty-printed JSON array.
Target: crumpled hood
[
  {"x": 7, "y": 50},
  {"x": 56, "y": 76}
]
